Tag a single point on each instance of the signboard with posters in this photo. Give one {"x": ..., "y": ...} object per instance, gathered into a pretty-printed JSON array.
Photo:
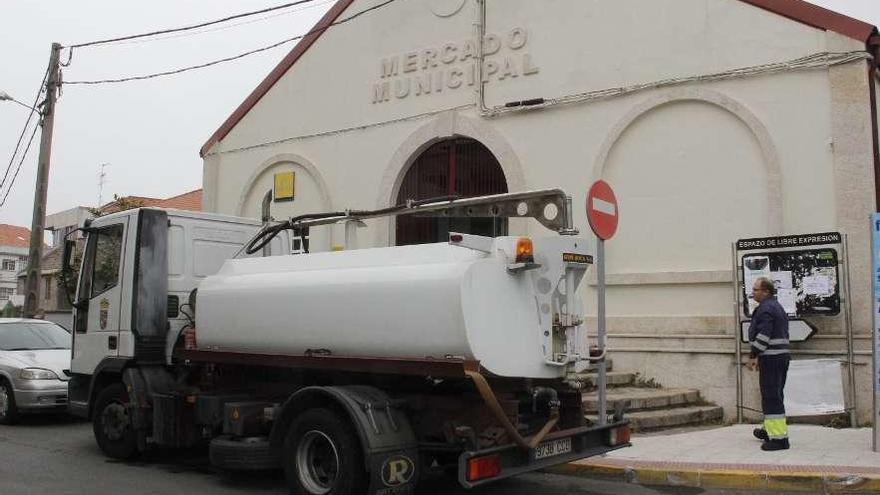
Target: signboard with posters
[{"x": 806, "y": 277}]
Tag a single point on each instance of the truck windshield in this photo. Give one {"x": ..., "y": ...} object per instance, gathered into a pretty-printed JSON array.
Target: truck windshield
[{"x": 33, "y": 336}]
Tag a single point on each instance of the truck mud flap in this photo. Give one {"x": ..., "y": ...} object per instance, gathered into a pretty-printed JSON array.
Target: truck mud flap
[
  {"x": 560, "y": 447},
  {"x": 394, "y": 473}
]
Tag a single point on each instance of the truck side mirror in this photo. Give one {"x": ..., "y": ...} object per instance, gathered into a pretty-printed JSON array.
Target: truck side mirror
[{"x": 69, "y": 248}]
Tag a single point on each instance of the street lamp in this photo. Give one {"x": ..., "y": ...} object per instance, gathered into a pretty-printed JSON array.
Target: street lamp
[{"x": 4, "y": 96}]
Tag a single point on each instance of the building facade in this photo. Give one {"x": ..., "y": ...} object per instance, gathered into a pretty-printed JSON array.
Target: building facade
[
  {"x": 14, "y": 242},
  {"x": 62, "y": 223},
  {"x": 713, "y": 120}
]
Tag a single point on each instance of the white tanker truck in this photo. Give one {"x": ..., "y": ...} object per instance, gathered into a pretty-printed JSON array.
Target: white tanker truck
[{"x": 354, "y": 371}]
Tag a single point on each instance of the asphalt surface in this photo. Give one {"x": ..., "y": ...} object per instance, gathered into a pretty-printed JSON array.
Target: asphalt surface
[{"x": 58, "y": 455}]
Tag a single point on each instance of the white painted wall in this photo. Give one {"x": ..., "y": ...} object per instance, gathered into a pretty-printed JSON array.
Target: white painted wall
[{"x": 695, "y": 166}]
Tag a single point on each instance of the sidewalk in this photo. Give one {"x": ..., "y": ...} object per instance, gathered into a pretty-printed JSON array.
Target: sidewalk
[{"x": 821, "y": 460}]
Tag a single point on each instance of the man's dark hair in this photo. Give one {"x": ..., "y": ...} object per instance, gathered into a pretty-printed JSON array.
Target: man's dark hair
[{"x": 767, "y": 284}]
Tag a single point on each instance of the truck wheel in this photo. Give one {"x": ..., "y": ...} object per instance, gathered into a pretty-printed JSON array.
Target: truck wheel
[
  {"x": 322, "y": 455},
  {"x": 112, "y": 424},
  {"x": 8, "y": 410},
  {"x": 242, "y": 454}
]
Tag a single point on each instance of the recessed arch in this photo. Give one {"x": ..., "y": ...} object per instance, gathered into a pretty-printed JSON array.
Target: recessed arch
[
  {"x": 458, "y": 166},
  {"x": 275, "y": 160},
  {"x": 444, "y": 126},
  {"x": 737, "y": 109}
]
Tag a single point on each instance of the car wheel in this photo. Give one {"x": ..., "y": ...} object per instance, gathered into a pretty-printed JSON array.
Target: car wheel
[
  {"x": 112, "y": 423},
  {"x": 8, "y": 410},
  {"x": 322, "y": 455}
]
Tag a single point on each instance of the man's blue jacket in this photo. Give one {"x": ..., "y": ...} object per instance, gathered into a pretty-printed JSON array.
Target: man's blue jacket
[{"x": 768, "y": 332}]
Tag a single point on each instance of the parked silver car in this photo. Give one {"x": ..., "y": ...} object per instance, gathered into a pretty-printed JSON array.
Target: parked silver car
[{"x": 34, "y": 362}]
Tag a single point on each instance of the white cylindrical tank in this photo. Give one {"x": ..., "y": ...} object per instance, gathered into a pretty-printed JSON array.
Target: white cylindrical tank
[{"x": 424, "y": 301}]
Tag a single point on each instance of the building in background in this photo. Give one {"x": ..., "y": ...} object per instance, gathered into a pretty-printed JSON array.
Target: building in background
[
  {"x": 14, "y": 242},
  {"x": 713, "y": 120},
  {"x": 64, "y": 222},
  {"x": 54, "y": 300}
]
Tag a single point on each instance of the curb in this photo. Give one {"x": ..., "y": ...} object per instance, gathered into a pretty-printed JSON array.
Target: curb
[{"x": 798, "y": 479}]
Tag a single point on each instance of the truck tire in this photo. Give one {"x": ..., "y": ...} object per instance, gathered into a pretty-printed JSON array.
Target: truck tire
[
  {"x": 112, "y": 424},
  {"x": 322, "y": 455},
  {"x": 8, "y": 410},
  {"x": 242, "y": 454}
]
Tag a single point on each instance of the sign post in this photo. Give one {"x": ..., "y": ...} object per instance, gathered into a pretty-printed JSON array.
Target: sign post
[
  {"x": 875, "y": 266},
  {"x": 603, "y": 215}
]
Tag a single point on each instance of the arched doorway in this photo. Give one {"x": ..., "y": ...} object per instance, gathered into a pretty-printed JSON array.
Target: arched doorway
[{"x": 454, "y": 167}]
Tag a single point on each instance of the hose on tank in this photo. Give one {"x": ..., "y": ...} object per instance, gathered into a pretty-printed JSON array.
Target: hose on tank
[
  {"x": 491, "y": 401},
  {"x": 267, "y": 233}
]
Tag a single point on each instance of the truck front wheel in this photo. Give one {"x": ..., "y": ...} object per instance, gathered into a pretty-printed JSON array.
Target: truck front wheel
[
  {"x": 112, "y": 423},
  {"x": 322, "y": 455}
]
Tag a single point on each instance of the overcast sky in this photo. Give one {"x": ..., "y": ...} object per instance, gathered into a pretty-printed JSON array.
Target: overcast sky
[{"x": 149, "y": 132}]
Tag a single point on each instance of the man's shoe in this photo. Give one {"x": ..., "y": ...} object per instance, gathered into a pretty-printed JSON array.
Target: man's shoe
[
  {"x": 761, "y": 434},
  {"x": 781, "y": 444}
]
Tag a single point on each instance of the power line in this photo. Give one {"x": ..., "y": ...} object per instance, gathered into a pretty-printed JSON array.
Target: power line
[
  {"x": 230, "y": 26},
  {"x": 24, "y": 129},
  {"x": 317, "y": 30},
  {"x": 20, "y": 162},
  {"x": 190, "y": 27}
]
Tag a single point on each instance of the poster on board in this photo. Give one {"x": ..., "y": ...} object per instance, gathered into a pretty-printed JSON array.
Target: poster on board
[{"x": 806, "y": 281}]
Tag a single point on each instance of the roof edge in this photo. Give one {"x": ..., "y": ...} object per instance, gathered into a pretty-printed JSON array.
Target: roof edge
[
  {"x": 276, "y": 74},
  {"x": 818, "y": 17}
]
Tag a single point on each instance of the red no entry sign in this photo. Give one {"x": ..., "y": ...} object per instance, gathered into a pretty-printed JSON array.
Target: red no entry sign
[{"x": 602, "y": 211}]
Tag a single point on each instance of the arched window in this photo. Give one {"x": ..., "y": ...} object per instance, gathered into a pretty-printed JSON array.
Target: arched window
[{"x": 455, "y": 167}]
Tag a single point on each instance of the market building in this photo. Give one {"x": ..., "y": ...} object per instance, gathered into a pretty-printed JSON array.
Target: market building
[{"x": 714, "y": 120}]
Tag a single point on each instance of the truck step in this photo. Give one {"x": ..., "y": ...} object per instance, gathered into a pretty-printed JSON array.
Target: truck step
[
  {"x": 671, "y": 418},
  {"x": 637, "y": 399},
  {"x": 615, "y": 378}
]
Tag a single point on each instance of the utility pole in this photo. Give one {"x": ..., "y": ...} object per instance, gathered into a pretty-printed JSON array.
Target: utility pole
[{"x": 32, "y": 300}]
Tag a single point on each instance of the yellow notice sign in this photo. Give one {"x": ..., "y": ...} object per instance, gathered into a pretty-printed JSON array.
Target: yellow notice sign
[{"x": 284, "y": 186}]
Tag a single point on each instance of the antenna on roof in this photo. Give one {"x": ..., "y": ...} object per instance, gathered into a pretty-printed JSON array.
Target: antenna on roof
[{"x": 102, "y": 176}]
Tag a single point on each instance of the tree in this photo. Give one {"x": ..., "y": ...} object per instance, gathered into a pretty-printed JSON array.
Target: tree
[{"x": 67, "y": 282}]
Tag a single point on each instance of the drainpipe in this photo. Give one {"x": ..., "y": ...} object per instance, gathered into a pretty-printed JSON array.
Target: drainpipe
[
  {"x": 873, "y": 47},
  {"x": 480, "y": 31}
]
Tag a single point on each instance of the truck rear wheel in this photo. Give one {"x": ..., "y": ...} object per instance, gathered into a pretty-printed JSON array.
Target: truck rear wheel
[
  {"x": 112, "y": 424},
  {"x": 323, "y": 456}
]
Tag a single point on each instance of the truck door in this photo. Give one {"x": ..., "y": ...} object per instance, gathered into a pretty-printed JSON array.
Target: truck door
[{"x": 99, "y": 298}]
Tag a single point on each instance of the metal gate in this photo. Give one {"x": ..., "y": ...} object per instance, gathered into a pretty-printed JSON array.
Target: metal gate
[{"x": 455, "y": 167}]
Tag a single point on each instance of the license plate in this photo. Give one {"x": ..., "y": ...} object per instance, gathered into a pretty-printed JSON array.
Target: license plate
[{"x": 553, "y": 448}]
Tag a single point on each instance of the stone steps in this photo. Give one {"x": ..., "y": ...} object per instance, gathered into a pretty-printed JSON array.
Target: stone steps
[
  {"x": 647, "y": 406},
  {"x": 671, "y": 418},
  {"x": 614, "y": 379},
  {"x": 594, "y": 367},
  {"x": 639, "y": 399}
]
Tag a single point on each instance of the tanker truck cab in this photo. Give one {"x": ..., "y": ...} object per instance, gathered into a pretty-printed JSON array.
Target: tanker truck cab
[
  {"x": 355, "y": 372},
  {"x": 138, "y": 269}
]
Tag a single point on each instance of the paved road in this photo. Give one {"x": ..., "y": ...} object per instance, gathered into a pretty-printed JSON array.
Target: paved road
[{"x": 58, "y": 455}]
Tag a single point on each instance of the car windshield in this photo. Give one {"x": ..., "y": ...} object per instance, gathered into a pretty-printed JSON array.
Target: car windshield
[{"x": 26, "y": 336}]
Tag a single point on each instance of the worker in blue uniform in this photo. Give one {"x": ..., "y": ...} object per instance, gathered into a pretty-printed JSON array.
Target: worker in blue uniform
[{"x": 770, "y": 355}]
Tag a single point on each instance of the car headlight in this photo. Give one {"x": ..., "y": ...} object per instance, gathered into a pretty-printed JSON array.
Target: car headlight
[{"x": 37, "y": 374}]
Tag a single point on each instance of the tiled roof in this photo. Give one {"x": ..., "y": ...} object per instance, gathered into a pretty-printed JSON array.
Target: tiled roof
[
  {"x": 14, "y": 236},
  {"x": 191, "y": 201}
]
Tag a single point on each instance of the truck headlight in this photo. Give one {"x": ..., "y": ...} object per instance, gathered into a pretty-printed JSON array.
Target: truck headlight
[{"x": 37, "y": 374}]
